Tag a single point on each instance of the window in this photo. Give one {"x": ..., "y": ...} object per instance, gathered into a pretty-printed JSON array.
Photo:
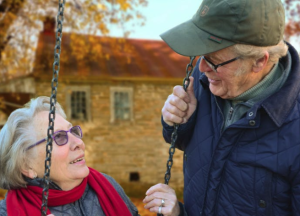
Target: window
[
  {"x": 134, "y": 176},
  {"x": 121, "y": 103},
  {"x": 78, "y": 103},
  {"x": 122, "y": 107}
]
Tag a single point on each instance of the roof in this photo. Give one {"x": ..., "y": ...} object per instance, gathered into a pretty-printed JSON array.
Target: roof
[
  {"x": 11, "y": 100},
  {"x": 94, "y": 56}
]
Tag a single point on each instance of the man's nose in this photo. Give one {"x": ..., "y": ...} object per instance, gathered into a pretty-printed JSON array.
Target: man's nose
[{"x": 204, "y": 67}]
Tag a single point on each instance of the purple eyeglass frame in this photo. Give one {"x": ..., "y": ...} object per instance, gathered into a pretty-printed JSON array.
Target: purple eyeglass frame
[{"x": 43, "y": 140}]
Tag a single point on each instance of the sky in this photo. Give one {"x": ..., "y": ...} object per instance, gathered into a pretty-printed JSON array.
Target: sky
[{"x": 161, "y": 15}]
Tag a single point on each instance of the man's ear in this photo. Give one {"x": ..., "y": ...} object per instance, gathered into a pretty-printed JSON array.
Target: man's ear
[
  {"x": 29, "y": 172},
  {"x": 261, "y": 63}
]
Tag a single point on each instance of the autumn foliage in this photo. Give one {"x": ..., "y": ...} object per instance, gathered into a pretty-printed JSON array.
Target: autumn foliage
[
  {"x": 22, "y": 20},
  {"x": 292, "y": 11}
]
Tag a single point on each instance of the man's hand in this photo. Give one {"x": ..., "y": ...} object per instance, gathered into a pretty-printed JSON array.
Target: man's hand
[
  {"x": 154, "y": 197},
  {"x": 180, "y": 105}
]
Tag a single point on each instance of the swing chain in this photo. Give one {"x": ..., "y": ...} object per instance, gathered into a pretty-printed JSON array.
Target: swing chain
[
  {"x": 186, "y": 82},
  {"x": 54, "y": 85}
]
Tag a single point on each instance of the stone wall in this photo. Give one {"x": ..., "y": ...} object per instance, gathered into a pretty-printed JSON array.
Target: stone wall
[
  {"x": 123, "y": 147},
  {"x": 21, "y": 85}
]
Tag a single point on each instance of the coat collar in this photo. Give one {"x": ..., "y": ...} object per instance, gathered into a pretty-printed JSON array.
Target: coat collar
[{"x": 287, "y": 95}]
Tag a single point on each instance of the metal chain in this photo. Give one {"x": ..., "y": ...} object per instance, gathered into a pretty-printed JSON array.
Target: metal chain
[
  {"x": 186, "y": 82},
  {"x": 54, "y": 85}
]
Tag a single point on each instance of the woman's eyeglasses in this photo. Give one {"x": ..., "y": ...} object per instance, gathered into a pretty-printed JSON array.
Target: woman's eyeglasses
[
  {"x": 215, "y": 67},
  {"x": 61, "y": 137}
]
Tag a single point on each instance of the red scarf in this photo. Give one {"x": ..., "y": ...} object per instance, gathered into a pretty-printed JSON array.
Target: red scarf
[{"x": 28, "y": 201}]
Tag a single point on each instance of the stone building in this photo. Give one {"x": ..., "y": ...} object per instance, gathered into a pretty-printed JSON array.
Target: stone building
[{"x": 114, "y": 89}]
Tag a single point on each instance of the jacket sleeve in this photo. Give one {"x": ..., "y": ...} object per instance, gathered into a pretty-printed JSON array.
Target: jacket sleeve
[
  {"x": 185, "y": 131},
  {"x": 296, "y": 194},
  {"x": 3, "y": 210},
  {"x": 296, "y": 199},
  {"x": 182, "y": 210}
]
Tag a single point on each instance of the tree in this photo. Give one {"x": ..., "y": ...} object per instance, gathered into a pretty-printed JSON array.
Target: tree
[
  {"x": 292, "y": 11},
  {"x": 21, "y": 21}
]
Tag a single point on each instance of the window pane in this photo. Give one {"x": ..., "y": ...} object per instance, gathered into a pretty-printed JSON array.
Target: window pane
[
  {"x": 122, "y": 105},
  {"x": 78, "y": 105}
]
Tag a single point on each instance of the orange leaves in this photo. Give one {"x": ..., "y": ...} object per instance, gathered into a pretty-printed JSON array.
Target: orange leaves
[
  {"x": 98, "y": 17},
  {"x": 83, "y": 17},
  {"x": 125, "y": 6},
  {"x": 103, "y": 28},
  {"x": 292, "y": 12},
  {"x": 80, "y": 47}
]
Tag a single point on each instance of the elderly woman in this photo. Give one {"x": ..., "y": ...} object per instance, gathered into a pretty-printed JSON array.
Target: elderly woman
[{"x": 75, "y": 189}]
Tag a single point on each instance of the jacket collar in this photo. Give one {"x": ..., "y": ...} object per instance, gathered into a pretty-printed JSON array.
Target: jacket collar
[{"x": 287, "y": 95}]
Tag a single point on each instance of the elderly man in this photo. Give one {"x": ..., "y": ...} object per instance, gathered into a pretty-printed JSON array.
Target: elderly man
[{"x": 240, "y": 117}]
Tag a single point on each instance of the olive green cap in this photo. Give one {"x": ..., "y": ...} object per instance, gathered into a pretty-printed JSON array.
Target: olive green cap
[{"x": 221, "y": 23}]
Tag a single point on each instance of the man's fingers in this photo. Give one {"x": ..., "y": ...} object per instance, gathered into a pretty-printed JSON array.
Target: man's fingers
[
  {"x": 178, "y": 103},
  {"x": 173, "y": 109},
  {"x": 160, "y": 188},
  {"x": 154, "y": 196},
  {"x": 187, "y": 95},
  {"x": 172, "y": 119},
  {"x": 190, "y": 89},
  {"x": 179, "y": 92},
  {"x": 172, "y": 114}
]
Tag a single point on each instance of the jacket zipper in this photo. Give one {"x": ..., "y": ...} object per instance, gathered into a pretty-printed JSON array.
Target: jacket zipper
[
  {"x": 230, "y": 113},
  {"x": 221, "y": 114}
]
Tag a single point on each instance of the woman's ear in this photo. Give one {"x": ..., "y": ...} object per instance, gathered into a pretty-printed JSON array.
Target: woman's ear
[
  {"x": 261, "y": 63},
  {"x": 30, "y": 173}
]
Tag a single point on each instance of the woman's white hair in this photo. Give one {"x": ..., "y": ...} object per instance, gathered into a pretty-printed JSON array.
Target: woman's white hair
[
  {"x": 255, "y": 52},
  {"x": 16, "y": 135}
]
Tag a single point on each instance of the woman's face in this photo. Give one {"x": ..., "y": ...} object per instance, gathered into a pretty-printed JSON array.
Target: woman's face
[{"x": 66, "y": 171}]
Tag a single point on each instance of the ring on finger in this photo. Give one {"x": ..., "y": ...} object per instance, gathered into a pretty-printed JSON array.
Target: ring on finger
[
  {"x": 162, "y": 203},
  {"x": 159, "y": 209}
]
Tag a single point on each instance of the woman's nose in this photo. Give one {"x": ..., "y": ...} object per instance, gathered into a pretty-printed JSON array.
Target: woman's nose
[
  {"x": 204, "y": 67},
  {"x": 75, "y": 141}
]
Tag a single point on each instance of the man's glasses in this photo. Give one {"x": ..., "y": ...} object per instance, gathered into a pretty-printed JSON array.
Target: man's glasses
[
  {"x": 61, "y": 137},
  {"x": 215, "y": 67}
]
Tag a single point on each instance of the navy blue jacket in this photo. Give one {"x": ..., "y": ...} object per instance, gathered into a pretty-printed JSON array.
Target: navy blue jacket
[{"x": 253, "y": 166}]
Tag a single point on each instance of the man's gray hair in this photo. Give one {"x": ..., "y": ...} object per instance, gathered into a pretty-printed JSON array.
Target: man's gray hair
[
  {"x": 16, "y": 135},
  {"x": 255, "y": 52}
]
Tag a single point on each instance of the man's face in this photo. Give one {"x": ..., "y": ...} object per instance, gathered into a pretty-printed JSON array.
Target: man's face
[{"x": 231, "y": 79}]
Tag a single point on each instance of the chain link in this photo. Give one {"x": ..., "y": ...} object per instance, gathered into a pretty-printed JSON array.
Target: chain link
[
  {"x": 54, "y": 85},
  {"x": 186, "y": 82}
]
